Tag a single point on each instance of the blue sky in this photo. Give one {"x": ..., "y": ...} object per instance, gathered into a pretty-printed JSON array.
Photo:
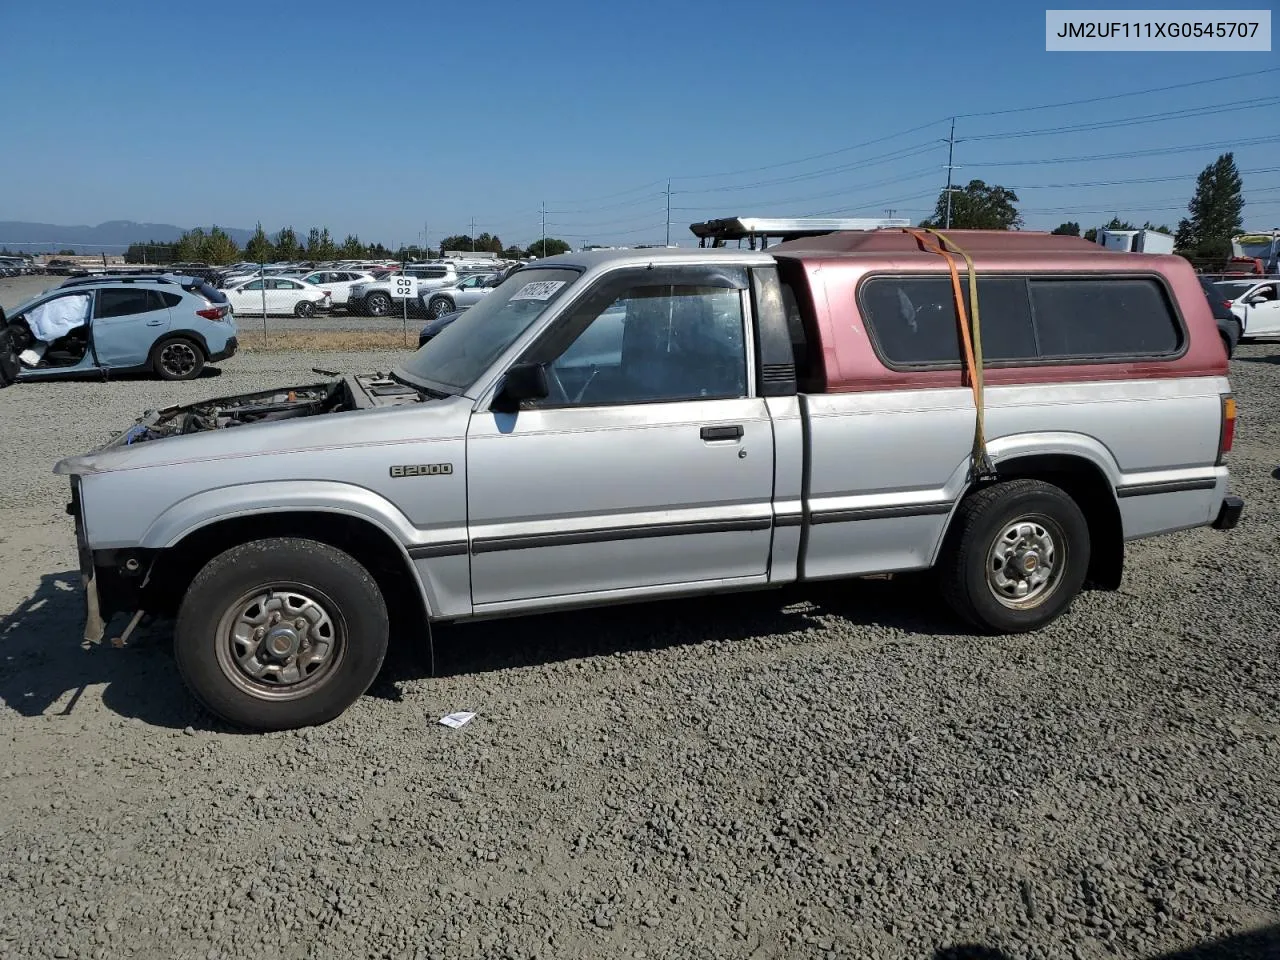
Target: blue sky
[{"x": 379, "y": 118}]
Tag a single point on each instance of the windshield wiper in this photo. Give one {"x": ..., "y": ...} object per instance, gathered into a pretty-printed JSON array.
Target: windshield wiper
[{"x": 435, "y": 394}]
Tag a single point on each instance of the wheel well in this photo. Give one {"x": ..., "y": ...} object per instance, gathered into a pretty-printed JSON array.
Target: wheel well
[
  {"x": 369, "y": 545},
  {"x": 1088, "y": 486},
  {"x": 194, "y": 337}
]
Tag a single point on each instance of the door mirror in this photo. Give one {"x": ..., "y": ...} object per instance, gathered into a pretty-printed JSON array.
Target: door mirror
[{"x": 524, "y": 381}]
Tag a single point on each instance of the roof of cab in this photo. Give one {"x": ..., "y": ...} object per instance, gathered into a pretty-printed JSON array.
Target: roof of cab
[
  {"x": 589, "y": 259},
  {"x": 1006, "y": 249}
]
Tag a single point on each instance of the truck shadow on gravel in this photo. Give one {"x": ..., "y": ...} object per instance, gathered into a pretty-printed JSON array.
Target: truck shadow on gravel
[
  {"x": 44, "y": 669},
  {"x": 1260, "y": 944},
  {"x": 798, "y": 615}
]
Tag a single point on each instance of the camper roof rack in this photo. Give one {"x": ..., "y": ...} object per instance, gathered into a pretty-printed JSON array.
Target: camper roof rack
[{"x": 719, "y": 232}]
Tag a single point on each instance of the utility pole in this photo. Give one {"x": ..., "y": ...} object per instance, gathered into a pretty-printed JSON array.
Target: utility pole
[
  {"x": 890, "y": 212},
  {"x": 544, "y": 229},
  {"x": 473, "y": 234},
  {"x": 951, "y": 149},
  {"x": 668, "y": 211}
]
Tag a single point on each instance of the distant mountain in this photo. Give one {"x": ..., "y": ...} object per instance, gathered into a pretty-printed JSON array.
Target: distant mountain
[{"x": 110, "y": 237}]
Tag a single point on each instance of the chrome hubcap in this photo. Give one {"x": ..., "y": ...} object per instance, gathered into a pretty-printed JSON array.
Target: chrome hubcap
[
  {"x": 279, "y": 642},
  {"x": 178, "y": 358},
  {"x": 1025, "y": 562}
]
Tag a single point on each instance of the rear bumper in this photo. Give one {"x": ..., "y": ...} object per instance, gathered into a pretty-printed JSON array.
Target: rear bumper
[
  {"x": 1229, "y": 513},
  {"x": 226, "y": 352}
]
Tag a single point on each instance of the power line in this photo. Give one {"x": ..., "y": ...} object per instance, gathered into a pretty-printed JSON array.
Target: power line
[
  {"x": 1131, "y": 154},
  {"x": 1117, "y": 96},
  {"x": 1183, "y": 114},
  {"x": 816, "y": 156}
]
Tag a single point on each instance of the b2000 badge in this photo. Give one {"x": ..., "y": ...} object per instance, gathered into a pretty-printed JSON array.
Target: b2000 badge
[{"x": 422, "y": 470}]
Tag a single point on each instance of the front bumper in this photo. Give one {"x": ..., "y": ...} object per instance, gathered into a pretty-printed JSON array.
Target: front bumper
[
  {"x": 95, "y": 627},
  {"x": 226, "y": 352},
  {"x": 1229, "y": 513}
]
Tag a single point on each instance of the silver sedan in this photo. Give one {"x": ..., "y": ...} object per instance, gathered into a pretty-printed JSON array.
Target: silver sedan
[{"x": 465, "y": 293}]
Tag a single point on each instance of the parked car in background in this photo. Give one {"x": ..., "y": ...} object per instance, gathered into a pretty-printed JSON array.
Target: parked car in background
[
  {"x": 465, "y": 293},
  {"x": 337, "y": 283},
  {"x": 113, "y": 325},
  {"x": 277, "y": 296},
  {"x": 383, "y": 295},
  {"x": 1256, "y": 303},
  {"x": 1230, "y": 327}
]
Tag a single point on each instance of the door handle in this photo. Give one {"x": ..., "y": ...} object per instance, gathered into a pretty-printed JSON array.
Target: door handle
[
  {"x": 155, "y": 323},
  {"x": 722, "y": 433}
]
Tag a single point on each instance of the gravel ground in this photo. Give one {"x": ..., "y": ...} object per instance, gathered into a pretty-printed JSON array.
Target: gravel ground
[{"x": 835, "y": 772}]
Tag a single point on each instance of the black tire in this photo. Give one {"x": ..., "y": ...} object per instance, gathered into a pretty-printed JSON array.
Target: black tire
[
  {"x": 970, "y": 585},
  {"x": 439, "y": 306},
  {"x": 343, "y": 595},
  {"x": 304, "y": 308},
  {"x": 177, "y": 358},
  {"x": 377, "y": 305},
  {"x": 1226, "y": 345}
]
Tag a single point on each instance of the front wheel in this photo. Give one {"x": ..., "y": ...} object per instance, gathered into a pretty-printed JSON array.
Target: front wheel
[
  {"x": 1016, "y": 556},
  {"x": 378, "y": 305},
  {"x": 281, "y": 633},
  {"x": 439, "y": 307}
]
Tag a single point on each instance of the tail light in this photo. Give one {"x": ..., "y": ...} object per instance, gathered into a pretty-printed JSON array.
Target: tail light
[
  {"x": 212, "y": 313},
  {"x": 1228, "y": 434}
]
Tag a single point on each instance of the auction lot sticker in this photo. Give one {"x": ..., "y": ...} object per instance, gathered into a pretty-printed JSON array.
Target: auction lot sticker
[
  {"x": 1185, "y": 31},
  {"x": 539, "y": 290}
]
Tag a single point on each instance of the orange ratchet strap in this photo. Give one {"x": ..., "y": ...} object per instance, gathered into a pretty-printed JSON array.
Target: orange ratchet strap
[{"x": 970, "y": 336}]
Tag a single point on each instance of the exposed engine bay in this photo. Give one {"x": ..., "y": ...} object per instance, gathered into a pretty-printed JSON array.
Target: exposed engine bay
[{"x": 360, "y": 392}]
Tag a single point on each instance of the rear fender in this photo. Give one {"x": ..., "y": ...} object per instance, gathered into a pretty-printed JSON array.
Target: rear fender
[{"x": 1017, "y": 446}]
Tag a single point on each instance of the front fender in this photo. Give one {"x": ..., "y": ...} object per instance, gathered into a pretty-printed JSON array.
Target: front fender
[{"x": 242, "y": 500}]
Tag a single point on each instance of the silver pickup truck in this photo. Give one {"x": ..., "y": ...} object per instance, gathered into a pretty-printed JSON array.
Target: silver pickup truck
[{"x": 632, "y": 425}]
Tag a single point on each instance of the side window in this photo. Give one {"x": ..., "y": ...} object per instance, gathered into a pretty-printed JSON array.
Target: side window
[
  {"x": 655, "y": 344},
  {"x": 170, "y": 299},
  {"x": 123, "y": 303},
  {"x": 1103, "y": 317},
  {"x": 913, "y": 319},
  {"x": 254, "y": 285}
]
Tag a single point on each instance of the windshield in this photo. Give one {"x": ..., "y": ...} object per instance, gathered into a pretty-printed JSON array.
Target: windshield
[
  {"x": 460, "y": 353},
  {"x": 1237, "y": 288}
]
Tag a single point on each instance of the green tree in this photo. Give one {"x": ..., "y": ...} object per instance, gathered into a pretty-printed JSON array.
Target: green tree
[
  {"x": 977, "y": 206},
  {"x": 258, "y": 249},
  {"x": 150, "y": 253},
  {"x": 352, "y": 248},
  {"x": 1216, "y": 211},
  {"x": 1068, "y": 229},
  {"x": 512, "y": 253},
  {"x": 1091, "y": 234},
  {"x": 189, "y": 245},
  {"x": 1163, "y": 228},
  {"x": 553, "y": 246},
  {"x": 459, "y": 242},
  {"x": 218, "y": 247},
  {"x": 320, "y": 244},
  {"x": 286, "y": 245}
]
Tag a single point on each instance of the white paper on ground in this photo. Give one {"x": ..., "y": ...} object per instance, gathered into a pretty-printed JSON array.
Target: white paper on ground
[{"x": 456, "y": 720}]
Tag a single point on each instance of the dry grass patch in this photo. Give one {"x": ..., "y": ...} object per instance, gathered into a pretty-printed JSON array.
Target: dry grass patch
[{"x": 327, "y": 341}]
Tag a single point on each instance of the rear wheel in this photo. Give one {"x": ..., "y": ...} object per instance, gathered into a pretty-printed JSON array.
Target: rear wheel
[
  {"x": 304, "y": 308},
  {"x": 1226, "y": 345},
  {"x": 177, "y": 359},
  {"x": 439, "y": 307},
  {"x": 1016, "y": 556},
  {"x": 378, "y": 305},
  {"x": 281, "y": 633}
]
